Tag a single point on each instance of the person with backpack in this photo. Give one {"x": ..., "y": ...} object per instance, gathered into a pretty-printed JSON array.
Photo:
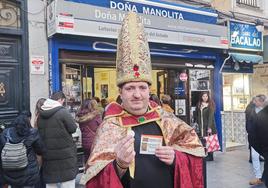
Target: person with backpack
[{"x": 19, "y": 146}]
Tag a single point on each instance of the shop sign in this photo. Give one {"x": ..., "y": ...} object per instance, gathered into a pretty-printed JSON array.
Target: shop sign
[
  {"x": 102, "y": 22},
  {"x": 37, "y": 65},
  {"x": 65, "y": 22},
  {"x": 162, "y": 9},
  {"x": 51, "y": 18},
  {"x": 245, "y": 36}
]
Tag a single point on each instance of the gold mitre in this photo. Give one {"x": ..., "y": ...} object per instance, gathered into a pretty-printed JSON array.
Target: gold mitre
[{"x": 133, "y": 61}]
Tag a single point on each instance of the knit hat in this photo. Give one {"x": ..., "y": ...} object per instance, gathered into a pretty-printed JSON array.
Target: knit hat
[{"x": 133, "y": 62}]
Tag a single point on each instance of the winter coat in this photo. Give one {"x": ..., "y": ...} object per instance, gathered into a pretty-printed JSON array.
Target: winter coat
[
  {"x": 258, "y": 133},
  {"x": 250, "y": 114},
  {"x": 28, "y": 176},
  {"x": 56, "y": 126},
  {"x": 88, "y": 124},
  {"x": 207, "y": 115}
]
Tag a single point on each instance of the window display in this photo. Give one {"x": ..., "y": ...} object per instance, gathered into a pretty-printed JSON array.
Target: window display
[
  {"x": 199, "y": 80},
  {"x": 236, "y": 91},
  {"x": 71, "y": 86}
]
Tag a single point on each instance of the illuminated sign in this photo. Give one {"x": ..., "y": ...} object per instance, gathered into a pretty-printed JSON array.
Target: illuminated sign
[{"x": 245, "y": 36}]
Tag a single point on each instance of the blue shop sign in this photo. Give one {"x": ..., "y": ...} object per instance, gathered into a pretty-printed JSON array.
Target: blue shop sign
[
  {"x": 245, "y": 36},
  {"x": 157, "y": 8}
]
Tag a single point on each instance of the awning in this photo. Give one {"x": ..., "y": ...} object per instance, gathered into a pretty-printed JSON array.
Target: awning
[
  {"x": 248, "y": 58},
  {"x": 240, "y": 57}
]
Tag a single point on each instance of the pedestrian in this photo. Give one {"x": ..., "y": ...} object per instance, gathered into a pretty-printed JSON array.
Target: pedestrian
[
  {"x": 249, "y": 110},
  {"x": 39, "y": 103},
  {"x": 22, "y": 132},
  {"x": 205, "y": 110},
  {"x": 166, "y": 102},
  {"x": 100, "y": 108},
  {"x": 104, "y": 104},
  {"x": 56, "y": 125},
  {"x": 155, "y": 98},
  {"x": 138, "y": 144},
  {"x": 259, "y": 102},
  {"x": 37, "y": 110},
  {"x": 89, "y": 119}
]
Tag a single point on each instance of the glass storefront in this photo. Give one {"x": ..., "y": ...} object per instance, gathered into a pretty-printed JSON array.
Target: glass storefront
[
  {"x": 80, "y": 82},
  {"x": 236, "y": 91},
  {"x": 83, "y": 81}
]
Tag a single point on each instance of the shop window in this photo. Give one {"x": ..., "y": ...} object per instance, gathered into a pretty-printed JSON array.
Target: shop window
[
  {"x": 236, "y": 91},
  {"x": 9, "y": 15}
]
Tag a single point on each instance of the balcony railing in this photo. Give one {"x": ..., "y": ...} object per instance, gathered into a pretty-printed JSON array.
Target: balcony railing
[{"x": 251, "y": 3}]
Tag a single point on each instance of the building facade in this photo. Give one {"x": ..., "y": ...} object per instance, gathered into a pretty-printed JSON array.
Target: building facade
[
  {"x": 74, "y": 51},
  {"x": 14, "y": 74},
  {"x": 187, "y": 50},
  {"x": 242, "y": 81}
]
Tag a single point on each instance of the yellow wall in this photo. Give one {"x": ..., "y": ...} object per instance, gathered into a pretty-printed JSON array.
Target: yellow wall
[{"x": 107, "y": 76}]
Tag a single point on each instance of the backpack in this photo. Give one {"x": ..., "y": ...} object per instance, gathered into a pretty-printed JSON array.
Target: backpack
[{"x": 14, "y": 155}]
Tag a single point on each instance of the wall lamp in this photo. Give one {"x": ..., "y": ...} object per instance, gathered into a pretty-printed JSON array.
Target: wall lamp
[{"x": 259, "y": 25}]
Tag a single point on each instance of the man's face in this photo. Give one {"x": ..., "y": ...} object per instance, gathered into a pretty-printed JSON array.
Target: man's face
[
  {"x": 135, "y": 97},
  {"x": 258, "y": 102}
]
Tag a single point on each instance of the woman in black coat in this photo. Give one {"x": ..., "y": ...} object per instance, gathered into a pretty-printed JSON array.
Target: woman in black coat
[
  {"x": 22, "y": 130},
  {"x": 205, "y": 118}
]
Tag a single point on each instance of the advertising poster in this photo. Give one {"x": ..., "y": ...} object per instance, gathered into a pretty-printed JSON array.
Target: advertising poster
[
  {"x": 104, "y": 91},
  {"x": 180, "y": 107},
  {"x": 37, "y": 65},
  {"x": 199, "y": 79}
]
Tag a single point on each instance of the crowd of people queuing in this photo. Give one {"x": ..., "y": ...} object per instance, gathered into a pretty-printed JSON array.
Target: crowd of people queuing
[{"x": 51, "y": 150}]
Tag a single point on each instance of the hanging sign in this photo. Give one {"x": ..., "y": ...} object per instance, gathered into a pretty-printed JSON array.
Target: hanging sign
[
  {"x": 37, "y": 65},
  {"x": 245, "y": 36}
]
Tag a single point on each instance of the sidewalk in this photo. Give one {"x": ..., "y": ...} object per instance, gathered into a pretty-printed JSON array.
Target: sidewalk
[{"x": 228, "y": 170}]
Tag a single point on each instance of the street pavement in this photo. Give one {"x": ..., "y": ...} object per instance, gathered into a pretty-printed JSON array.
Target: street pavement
[
  {"x": 231, "y": 170},
  {"x": 228, "y": 170}
]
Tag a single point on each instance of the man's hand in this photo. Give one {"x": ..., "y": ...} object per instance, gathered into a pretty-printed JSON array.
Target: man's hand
[
  {"x": 125, "y": 153},
  {"x": 165, "y": 154}
]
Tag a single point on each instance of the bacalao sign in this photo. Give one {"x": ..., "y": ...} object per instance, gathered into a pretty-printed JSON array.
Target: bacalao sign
[
  {"x": 85, "y": 19},
  {"x": 245, "y": 36}
]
